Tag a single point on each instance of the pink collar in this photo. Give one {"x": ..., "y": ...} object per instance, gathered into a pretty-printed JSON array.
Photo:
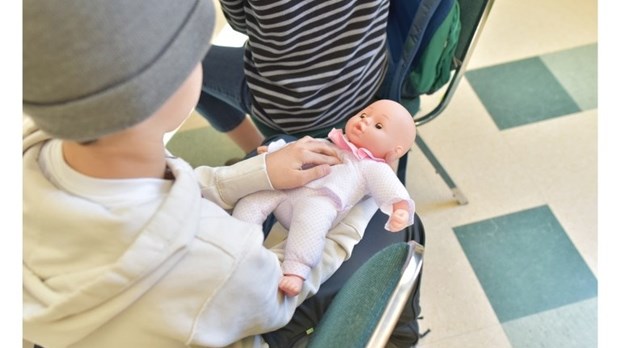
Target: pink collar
[{"x": 340, "y": 140}]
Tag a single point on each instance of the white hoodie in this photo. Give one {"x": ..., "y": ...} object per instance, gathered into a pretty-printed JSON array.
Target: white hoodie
[{"x": 163, "y": 268}]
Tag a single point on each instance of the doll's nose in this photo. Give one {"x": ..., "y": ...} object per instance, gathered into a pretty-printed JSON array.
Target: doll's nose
[{"x": 364, "y": 123}]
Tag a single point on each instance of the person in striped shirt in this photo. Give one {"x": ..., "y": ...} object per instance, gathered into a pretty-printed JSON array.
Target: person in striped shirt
[{"x": 306, "y": 67}]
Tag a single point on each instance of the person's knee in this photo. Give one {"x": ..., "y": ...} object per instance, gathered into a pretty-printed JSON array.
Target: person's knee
[{"x": 218, "y": 113}]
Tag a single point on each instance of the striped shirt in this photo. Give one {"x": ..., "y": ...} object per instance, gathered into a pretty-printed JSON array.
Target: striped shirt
[{"x": 313, "y": 63}]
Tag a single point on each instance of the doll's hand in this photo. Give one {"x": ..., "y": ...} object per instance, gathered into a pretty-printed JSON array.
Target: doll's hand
[
  {"x": 398, "y": 220},
  {"x": 284, "y": 166}
]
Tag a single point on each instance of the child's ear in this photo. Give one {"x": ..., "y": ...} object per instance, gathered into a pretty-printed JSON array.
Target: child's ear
[{"x": 394, "y": 154}]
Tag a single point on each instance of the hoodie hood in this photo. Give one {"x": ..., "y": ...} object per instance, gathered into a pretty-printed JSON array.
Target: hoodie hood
[{"x": 65, "y": 306}]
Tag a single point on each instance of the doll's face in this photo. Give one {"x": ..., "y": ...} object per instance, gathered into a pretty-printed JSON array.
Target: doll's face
[{"x": 384, "y": 127}]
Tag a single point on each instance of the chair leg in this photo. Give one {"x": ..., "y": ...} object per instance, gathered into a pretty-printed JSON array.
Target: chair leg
[{"x": 456, "y": 192}]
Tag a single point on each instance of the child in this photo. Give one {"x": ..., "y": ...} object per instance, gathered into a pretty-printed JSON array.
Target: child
[
  {"x": 379, "y": 134},
  {"x": 306, "y": 66},
  {"x": 120, "y": 249}
]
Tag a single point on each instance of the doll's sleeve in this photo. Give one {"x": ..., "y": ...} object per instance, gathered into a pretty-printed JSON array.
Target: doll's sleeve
[{"x": 386, "y": 189}]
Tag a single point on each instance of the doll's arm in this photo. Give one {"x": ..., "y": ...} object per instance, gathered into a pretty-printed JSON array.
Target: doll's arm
[{"x": 390, "y": 194}]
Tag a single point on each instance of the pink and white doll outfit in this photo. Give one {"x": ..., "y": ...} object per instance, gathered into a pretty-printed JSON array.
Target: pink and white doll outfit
[{"x": 309, "y": 212}]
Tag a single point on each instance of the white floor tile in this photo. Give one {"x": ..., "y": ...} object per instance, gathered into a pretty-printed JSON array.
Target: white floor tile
[
  {"x": 491, "y": 337},
  {"x": 518, "y": 29}
]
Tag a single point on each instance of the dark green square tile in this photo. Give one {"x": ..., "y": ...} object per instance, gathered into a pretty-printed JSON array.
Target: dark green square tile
[
  {"x": 521, "y": 92},
  {"x": 526, "y": 263}
]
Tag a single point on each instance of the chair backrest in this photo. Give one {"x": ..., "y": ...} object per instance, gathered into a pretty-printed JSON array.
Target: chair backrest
[
  {"x": 410, "y": 26},
  {"x": 473, "y": 16},
  {"x": 433, "y": 37},
  {"x": 366, "y": 309}
]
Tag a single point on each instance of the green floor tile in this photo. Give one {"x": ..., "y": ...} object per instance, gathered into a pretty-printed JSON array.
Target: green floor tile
[
  {"x": 521, "y": 92},
  {"x": 526, "y": 263},
  {"x": 577, "y": 70},
  {"x": 203, "y": 146}
]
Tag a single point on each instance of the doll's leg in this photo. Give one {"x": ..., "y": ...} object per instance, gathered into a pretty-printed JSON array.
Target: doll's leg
[
  {"x": 256, "y": 207},
  {"x": 271, "y": 220},
  {"x": 312, "y": 217}
]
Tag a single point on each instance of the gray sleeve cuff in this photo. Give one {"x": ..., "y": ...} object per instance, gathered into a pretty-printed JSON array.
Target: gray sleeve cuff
[{"x": 226, "y": 185}]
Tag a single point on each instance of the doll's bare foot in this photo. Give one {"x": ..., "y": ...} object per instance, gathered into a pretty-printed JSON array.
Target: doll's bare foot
[{"x": 291, "y": 285}]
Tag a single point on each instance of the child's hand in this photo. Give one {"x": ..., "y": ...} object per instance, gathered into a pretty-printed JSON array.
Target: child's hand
[
  {"x": 398, "y": 220},
  {"x": 284, "y": 166},
  {"x": 261, "y": 149}
]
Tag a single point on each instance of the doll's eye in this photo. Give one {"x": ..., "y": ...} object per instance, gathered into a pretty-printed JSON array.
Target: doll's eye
[
  {"x": 379, "y": 126},
  {"x": 363, "y": 115}
]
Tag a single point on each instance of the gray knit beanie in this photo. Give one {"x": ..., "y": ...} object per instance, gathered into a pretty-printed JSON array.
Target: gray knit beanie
[{"x": 95, "y": 67}]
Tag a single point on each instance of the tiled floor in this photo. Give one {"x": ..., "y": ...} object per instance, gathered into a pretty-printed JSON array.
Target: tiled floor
[{"x": 518, "y": 265}]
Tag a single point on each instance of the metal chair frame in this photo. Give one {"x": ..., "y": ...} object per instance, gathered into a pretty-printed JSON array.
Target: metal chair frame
[{"x": 467, "y": 43}]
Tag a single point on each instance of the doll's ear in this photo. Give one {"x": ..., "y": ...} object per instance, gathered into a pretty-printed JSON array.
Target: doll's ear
[{"x": 394, "y": 154}]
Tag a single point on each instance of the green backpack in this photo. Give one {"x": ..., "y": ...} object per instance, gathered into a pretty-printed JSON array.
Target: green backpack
[
  {"x": 422, "y": 37},
  {"x": 433, "y": 68}
]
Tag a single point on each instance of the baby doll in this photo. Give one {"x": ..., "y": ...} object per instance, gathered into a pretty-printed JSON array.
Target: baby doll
[{"x": 374, "y": 138}]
